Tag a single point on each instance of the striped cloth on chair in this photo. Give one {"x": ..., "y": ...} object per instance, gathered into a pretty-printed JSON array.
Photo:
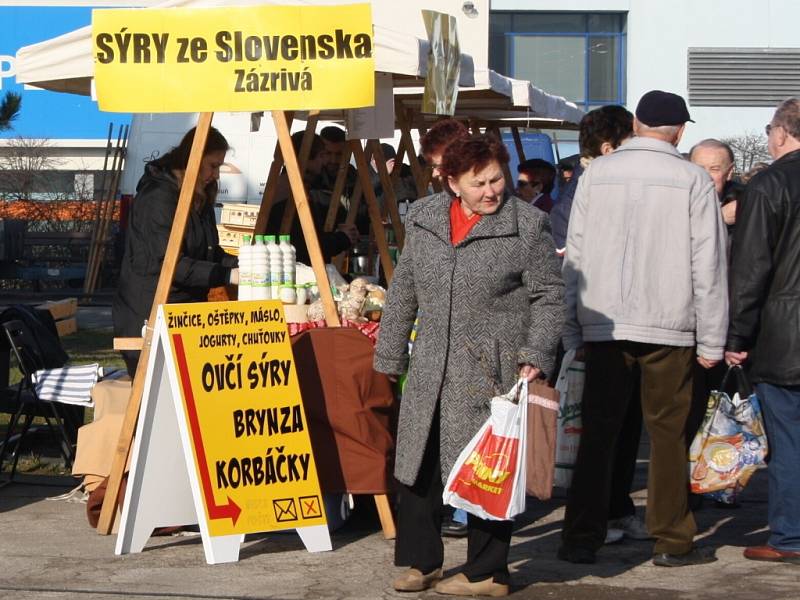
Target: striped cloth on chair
[{"x": 68, "y": 385}]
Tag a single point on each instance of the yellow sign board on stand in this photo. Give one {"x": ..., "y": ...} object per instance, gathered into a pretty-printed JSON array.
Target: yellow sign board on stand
[
  {"x": 247, "y": 464},
  {"x": 242, "y": 403},
  {"x": 252, "y": 58}
]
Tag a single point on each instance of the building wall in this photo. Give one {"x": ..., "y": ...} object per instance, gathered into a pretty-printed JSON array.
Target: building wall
[{"x": 660, "y": 32}]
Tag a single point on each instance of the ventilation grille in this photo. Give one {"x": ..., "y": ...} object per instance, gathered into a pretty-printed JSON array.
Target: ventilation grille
[{"x": 743, "y": 76}]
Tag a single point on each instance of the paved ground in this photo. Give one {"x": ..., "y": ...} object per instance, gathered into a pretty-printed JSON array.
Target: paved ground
[{"x": 48, "y": 551}]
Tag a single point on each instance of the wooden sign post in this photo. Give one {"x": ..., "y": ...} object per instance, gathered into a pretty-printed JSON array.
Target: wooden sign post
[
  {"x": 221, "y": 379},
  {"x": 214, "y": 79},
  {"x": 108, "y": 512}
]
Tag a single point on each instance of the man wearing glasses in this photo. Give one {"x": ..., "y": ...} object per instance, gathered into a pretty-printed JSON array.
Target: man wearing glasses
[
  {"x": 764, "y": 326},
  {"x": 535, "y": 182}
]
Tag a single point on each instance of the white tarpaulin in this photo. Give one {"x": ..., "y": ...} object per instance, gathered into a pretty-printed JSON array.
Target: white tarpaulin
[{"x": 65, "y": 64}]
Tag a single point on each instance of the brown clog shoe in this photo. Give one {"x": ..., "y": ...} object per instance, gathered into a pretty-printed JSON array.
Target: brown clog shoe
[
  {"x": 459, "y": 585},
  {"x": 770, "y": 554},
  {"x": 414, "y": 580}
]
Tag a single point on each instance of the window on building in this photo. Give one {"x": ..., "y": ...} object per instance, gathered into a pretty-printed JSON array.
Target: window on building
[{"x": 580, "y": 56}]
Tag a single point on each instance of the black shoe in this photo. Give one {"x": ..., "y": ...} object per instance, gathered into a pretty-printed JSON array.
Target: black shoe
[
  {"x": 695, "y": 556},
  {"x": 695, "y": 502},
  {"x": 577, "y": 555},
  {"x": 452, "y": 528}
]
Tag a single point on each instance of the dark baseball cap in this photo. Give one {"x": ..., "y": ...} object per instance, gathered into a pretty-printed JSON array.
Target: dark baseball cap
[{"x": 657, "y": 108}]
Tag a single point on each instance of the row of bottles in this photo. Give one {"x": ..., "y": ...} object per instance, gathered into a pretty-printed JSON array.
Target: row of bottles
[{"x": 267, "y": 269}]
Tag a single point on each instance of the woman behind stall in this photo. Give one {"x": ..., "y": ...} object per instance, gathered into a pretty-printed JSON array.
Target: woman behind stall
[
  {"x": 202, "y": 263},
  {"x": 483, "y": 272}
]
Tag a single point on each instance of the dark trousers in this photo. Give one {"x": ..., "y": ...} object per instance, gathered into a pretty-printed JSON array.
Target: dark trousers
[
  {"x": 704, "y": 381},
  {"x": 419, "y": 522},
  {"x": 627, "y": 451},
  {"x": 666, "y": 396},
  {"x": 781, "y": 409}
]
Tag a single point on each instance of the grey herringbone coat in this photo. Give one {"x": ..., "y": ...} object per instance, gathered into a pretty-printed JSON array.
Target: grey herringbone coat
[{"x": 487, "y": 305}]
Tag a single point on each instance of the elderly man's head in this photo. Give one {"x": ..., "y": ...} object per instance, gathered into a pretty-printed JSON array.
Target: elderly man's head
[
  {"x": 717, "y": 159},
  {"x": 661, "y": 115},
  {"x": 783, "y": 132}
]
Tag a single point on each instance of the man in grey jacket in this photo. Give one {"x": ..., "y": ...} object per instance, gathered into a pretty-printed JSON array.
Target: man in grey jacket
[{"x": 646, "y": 288}]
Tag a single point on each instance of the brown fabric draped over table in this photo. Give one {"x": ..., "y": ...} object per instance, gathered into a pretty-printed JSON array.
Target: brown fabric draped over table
[{"x": 350, "y": 410}]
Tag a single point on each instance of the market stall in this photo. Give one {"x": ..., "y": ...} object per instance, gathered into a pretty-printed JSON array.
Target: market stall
[{"x": 65, "y": 64}]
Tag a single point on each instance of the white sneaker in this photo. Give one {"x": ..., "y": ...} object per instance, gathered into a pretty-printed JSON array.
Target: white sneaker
[
  {"x": 631, "y": 526},
  {"x": 614, "y": 535}
]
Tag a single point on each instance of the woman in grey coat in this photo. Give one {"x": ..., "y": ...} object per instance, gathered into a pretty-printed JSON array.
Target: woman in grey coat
[{"x": 482, "y": 272}]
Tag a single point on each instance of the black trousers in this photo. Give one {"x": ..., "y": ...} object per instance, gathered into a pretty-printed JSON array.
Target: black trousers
[
  {"x": 627, "y": 451},
  {"x": 419, "y": 522}
]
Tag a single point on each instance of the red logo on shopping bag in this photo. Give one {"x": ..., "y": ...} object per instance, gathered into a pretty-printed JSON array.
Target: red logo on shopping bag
[{"x": 487, "y": 476}]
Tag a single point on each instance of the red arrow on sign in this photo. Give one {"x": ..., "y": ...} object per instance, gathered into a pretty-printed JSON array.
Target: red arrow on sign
[{"x": 215, "y": 511}]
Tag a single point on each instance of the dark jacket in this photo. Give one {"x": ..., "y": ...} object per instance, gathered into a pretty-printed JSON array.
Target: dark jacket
[
  {"x": 331, "y": 242},
  {"x": 487, "y": 305},
  {"x": 202, "y": 265},
  {"x": 559, "y": 216},
  {"x": 765, "y": 274}
]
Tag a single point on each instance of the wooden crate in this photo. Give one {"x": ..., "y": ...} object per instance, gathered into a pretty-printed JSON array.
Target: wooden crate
[
  {"x": 239, "y": 215},
  {"x": 230, "y": 238},
  {"x": 64, "y": 313},
  {"x": 67, "y": 326}
]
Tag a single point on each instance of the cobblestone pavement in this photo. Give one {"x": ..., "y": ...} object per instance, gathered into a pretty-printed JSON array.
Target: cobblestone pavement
[{"x": 48, "y": 551}]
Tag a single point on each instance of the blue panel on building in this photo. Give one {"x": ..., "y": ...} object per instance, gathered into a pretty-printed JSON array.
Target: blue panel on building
[{"x": 47, "y": 114}]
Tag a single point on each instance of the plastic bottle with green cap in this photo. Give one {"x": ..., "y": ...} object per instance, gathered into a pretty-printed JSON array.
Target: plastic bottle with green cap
[
  {"x": 275, "y": 267},
  {"x": 245, "y": 269}
]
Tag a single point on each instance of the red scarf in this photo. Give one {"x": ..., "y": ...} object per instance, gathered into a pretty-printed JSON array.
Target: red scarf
[{"x": 460, "y": 224}]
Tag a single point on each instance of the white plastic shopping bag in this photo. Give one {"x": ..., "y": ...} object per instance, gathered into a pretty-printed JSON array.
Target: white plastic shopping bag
[
  {"x": 488, "y": 478},
  {"x": 568, "y": 437}
]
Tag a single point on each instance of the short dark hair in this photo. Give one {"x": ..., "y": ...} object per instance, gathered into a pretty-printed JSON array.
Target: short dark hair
[
  {"x": 715, "y": 144},
  {"x": 316, "y": 144},
  {"x": 541, "y": 170},
  {"x": 334, "y": 134},
  {"x": 388, "y": 151},
  {"x": 178, "y": 157},
  {"x": 442, "y": 134},
  {"x": 565, "y": 165},
  {"x": 611, "y": 123},
  {"x": 787, "y": 115},
  {"x": 466, "y": 154}
]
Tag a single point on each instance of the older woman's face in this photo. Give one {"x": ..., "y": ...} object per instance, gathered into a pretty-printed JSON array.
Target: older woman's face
[{"x": 481, "y": 192}]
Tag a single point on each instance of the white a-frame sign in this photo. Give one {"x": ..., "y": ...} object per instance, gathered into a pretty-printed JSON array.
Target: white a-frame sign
[{"x": 222, "y": 438}]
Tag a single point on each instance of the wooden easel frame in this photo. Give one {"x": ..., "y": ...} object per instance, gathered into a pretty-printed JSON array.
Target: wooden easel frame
[
  {"x": 289, "y": 158},
  {"x": 305, "y": 152},
  {"x": 111, "y": 502},
  {"x": 338, "y": 190}
]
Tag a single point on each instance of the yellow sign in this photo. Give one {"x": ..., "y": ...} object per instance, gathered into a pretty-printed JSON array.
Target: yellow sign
[
  {"x": 234, "y": 58},
  {"x": 245, "y": 416}
]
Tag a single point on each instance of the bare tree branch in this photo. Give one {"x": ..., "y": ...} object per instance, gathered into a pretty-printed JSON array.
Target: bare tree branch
[{"x": 748, "y": 149}]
